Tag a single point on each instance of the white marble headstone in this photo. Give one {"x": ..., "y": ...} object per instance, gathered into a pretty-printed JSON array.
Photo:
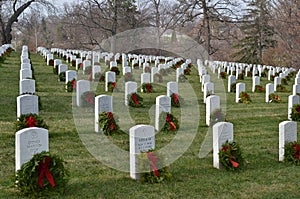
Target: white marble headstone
[
  {"x": 25, "y": 74},
  {"x": 70, "y": 75},
  {"x": 109, "y": 77},
  {"x": 130, "y": 87},
  {"x": 27, "y": 86},
  {"x": 240, "y": 87},
  {"x": 222, "y": 132},
  {"x": 142, "y": 139},
  {"x": 231, "y": 80},
  {"x": 27, "y": 104},
  {"x": 212, "y": 103},
  {"x": 163, "y": 104},
  {"x": 81, "y": 87},
  {"x": 30, "y": 141},
  {"x": 269, "y": 90},
  {"x": 103, "y": 103},
  {"x": 172, "y": 87},
  {"x": 287, "y": 133}
]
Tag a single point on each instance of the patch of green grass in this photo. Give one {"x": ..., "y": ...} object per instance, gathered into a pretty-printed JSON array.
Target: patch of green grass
[{"x": 255, "y": 129}]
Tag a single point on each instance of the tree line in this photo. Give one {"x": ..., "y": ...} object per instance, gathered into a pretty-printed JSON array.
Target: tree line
[{"x": 248, "y": 31}]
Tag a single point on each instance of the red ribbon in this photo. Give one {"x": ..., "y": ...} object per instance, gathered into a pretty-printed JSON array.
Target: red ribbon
[
  {"x": 43, "y": 170},
  {"x": 73, "y": 82},
  {"x": 153, "y": 160},
  {"x": 90, "y": 98},
  {"x": 297, "y": 152},
  {"x": 234, "y": 164},
  {"x": 134, "y": 98},
  {"x": 31, "y": 122},
  {"x": 148, "y": 87},
  {"x": 171, "y": 124},
  {"x": 111, "y": 117}
]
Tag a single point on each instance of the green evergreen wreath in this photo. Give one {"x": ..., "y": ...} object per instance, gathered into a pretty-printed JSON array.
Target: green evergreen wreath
[
  {"x": 116, "y": 70},
  {"x": 168, "y": 122},
  {"x": 295, "y": 114},
  {"x": 176, "y": 100},
  {"x": 233, "y": 87},
  {"x": 230, "y": 156},
  {"x": 71, "y": 85},
  {"x": 30, "y": 120},
  {"x": 62, "y": 76},
  {"x": 274, "y": 98},
  {"x": 108, "y": 123},
  {"x": 147, "y": 88},
  {"x": 151, "y": 167},
  {"x": 88, "y": 99},
  {"x": 259, "y": 88},
  {"x": 244, "y": 98},
  {"x": 135, "y": 100},
  {"x": 292, "y": 153},
  {"x": 33, "y": 178},
  {"x": 280, "y": 88},
  {"x": 112, "y": 87}
]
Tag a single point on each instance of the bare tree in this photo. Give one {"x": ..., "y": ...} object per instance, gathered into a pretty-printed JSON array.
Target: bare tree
[{"x": 10, "y": 11}]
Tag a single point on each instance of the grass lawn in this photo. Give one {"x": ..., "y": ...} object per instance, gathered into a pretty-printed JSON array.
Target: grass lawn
[{"x": 255, "y": 129}]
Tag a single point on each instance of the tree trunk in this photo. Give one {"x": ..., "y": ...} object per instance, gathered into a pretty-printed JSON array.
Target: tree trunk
[
  {"x": 6, "y": 34},
  {"x": 207, "y": 26}
]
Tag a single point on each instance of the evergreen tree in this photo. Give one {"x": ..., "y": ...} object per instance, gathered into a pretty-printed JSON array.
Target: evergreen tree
[{"x": 258, "y": 34}]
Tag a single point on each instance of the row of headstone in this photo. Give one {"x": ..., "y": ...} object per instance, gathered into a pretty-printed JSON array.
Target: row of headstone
[{"x": 28, "y": 141}]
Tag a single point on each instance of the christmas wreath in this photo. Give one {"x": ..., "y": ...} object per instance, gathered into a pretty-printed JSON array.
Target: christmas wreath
[
  {"x": 217, "y": 116},
  {"x": 43, "y": 176},
  {"x": 233, "y": 87},
  {"x": 151, "y": 167},
  {"x": 112, "y": 87},
  {"x": 295, "y": 114},
  {"x": 244, "y": 98},
  {"x": 284, "y": 81},
  {"x": 147, "y": 69},
  {"x": 51, "y": 62},
  {"x": 128, "y": 77},
  {"x": 134, "y": 100},
  {"x": 62, "y": 76},
  {"x": 136, "y": 66},
  {"x": 71, "y": 85},
  {"x": 73, "y": 63},
  {"x": 88, "y": 99},
  {"x": 249, "y": 74},
  {"x": 259, "y": 88},
  {"x": 147, "y": 88},
  {"x": 223, "y": 75},
  {"x": 158, "y": 78},
  {"x": 108, "y": 123},
  {"x": 274, "y": 98},
  {"x": 281, "y": 88},
  {"x": 116, "y": 70},
  {"x": 292, "y": 153},
  {"x": 176, "y": 100},
  {"x": 88, "y": 70},
  {"x": 241, "y": 76},
  {"x": 30, "y": 120},
  {"x": 187, "y": 71},
  {"x": 230, "y": 156},
  {"x": 99, "y": 77},
  {"x": 168, "y": 122}
]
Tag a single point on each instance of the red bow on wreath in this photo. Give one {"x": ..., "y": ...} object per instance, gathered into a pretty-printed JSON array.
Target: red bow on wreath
[
  {"x": 176, "y": 98},
  {"x": 31, "y": 122},
  {"x": 171, "y": 124},
  {"x": 44, "y": 171},
  {"x": 111, "y": 117},
  {"x": 148, "y": 87},
  {"x": 90, "y": 98},
  {"x": 114, "y": 84},
  {"x": 153, "y": 160},
  {"x": 297, "y": 152},
  {"x": 134, "y": 98},
  {"x": 73, "y": 82},
  {"x": 233, "y": 163}
]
